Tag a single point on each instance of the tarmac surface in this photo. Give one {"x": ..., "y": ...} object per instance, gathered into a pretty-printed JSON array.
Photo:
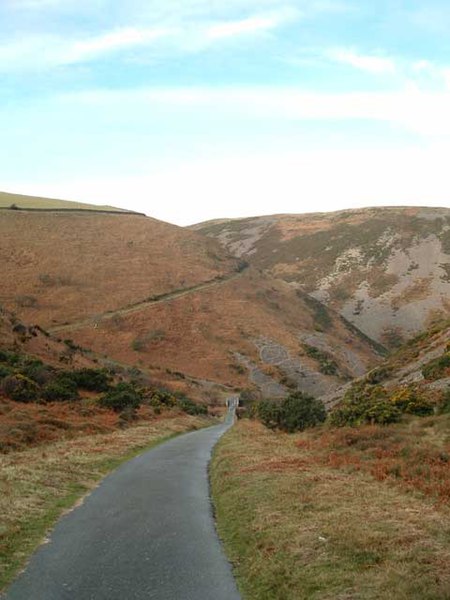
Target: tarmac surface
[{"x": 147, "y": 532}]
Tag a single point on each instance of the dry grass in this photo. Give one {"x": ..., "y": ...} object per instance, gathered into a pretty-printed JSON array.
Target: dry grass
[
  {"x": 35, "y": 202},
  {"x": 298, "y": 528},
  {"x": 77, "y": 265},
  {"x": 415, "y": 455},
  {"x": 36, "y": 485},
  {"x": 201, "y": 329},
  {"x": 23, "y": 425}
]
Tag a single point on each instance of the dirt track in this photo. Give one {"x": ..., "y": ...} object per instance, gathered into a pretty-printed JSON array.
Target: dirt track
[{"x": 126, "y": 310}]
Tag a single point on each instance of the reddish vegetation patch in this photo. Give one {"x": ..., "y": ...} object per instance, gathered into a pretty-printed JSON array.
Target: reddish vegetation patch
[
  {"x": 395, "y": 454},
  {"x": 23, "y": 425}
]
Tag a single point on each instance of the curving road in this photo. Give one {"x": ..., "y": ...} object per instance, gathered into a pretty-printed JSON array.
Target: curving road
[{"x": 147, "y": 532}]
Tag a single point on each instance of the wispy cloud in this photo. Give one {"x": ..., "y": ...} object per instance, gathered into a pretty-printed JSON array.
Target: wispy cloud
[
  {"x": 50, "y": 50},
  {"x": 113, "y": 41},
  {"x": 251, "y": 25},
  {"x": 371, "y": 63}
]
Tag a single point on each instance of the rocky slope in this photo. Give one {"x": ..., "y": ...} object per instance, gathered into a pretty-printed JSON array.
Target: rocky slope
[{"x": 386, "y": 270}]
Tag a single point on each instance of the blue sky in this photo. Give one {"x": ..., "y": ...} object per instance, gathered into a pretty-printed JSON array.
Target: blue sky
[{"x": 196, "y": 109}]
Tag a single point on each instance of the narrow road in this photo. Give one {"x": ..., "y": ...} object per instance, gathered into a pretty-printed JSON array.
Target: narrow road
[
  {"x": 146, "y": 532},
  {"x": 127, "y": 310}
]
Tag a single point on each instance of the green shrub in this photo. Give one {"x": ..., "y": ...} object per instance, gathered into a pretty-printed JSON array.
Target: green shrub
[
  {"x": 5, "y": 371},
  {"x": 327, "y": 365},
  {"x": 20, "y": 388},
  {"x": 163, "y": 398},
  {"x": 364, "y": 403},
  {"x": 411, "y": 401},
  {"x": 300, "y": 411},
  {"x": 121, "y": 397},
  {"x": 60, "y": 390},
  {"x": 190, "y": 407},
  {"x": 10, "y": 358},
  {"x": 37, "y": 371},
  {"x": 93, "y": 380},
  {"x": 295, "y": 413},
  {"x": 268, "y": 411}
]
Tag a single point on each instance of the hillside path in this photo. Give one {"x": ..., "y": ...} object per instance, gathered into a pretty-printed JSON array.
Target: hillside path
[
  {"x": 126, "y": 310},
  {"x": 146, "y": 532}
]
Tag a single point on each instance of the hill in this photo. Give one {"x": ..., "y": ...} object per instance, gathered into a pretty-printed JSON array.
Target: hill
[
  {"x": 21, "y": 202},
  {"x": 174, "y": 303},
  {"x": 58, "y": 267},
  {"x": 386, "y": 270}
]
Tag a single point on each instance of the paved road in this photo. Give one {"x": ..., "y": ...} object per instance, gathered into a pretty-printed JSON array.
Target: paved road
[{"x": 146, "y": 532}]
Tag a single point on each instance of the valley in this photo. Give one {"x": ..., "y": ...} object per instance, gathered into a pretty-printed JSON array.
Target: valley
[{"x": 350, "y": 308}]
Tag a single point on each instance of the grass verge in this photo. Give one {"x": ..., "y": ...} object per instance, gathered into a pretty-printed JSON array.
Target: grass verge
[
  {"x": 297, "y": 527},
  {"x": 37, "y": 485}
]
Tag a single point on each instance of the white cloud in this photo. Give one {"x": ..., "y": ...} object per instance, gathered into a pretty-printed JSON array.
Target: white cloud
[
  {"x": 433, "y": 73},
  {"x": 425, "y": 113},
  {"x": 255, "y": 24},
  {"x": 119, "y": 39},
  {"x": 378, "y": 65},
  {"x": 46, "y": 51}
]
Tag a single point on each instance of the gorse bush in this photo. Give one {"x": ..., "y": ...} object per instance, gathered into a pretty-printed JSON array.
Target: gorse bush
[
  {"x": 93, "y": 380},
  {"x": 5, "y": 371},
  {"x": 364, "y": 403},
  {"x": 10, "y": 358},
  {"x": 295, "y": 413},
  {"x": 20, "y": 388},
  {"x": 27, "y": 379},
  {"x": 123, "y": 396},
  {"x": 37, "y": 371},
  {"x": 411, "y": 401},
  {"x": 268, "y": 411},
  {"x": 190, "y": 407},
  {"x": 61, "y": 389}
]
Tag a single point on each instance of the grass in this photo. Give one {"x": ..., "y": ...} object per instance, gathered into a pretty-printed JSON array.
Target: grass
[
  {"x": 297, "y": 527},
  {"x": 38, "y": 484},
  {"x": 37, "y": 203}
]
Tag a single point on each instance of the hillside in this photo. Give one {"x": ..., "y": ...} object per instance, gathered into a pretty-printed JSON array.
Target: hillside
[
  {"x": 423, "y": 363},
  {"x": 21, "y": 202},
  {"x": 174, "y": 303},
  {"x": 248, "y": 331},
  {"x": 59, "y": 267},
  {"x": 386, "y": 270}
]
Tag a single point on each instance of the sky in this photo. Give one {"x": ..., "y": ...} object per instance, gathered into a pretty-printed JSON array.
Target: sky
[{"x": 190, "y": 110}]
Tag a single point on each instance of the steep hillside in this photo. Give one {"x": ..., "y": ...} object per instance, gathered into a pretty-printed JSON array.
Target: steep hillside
[
  {"x": 386, "y": 270},
  {"x": 59, "y": 267},
  {"x": 424, "y": 361},
  {"x": 420, "y": 369}
]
